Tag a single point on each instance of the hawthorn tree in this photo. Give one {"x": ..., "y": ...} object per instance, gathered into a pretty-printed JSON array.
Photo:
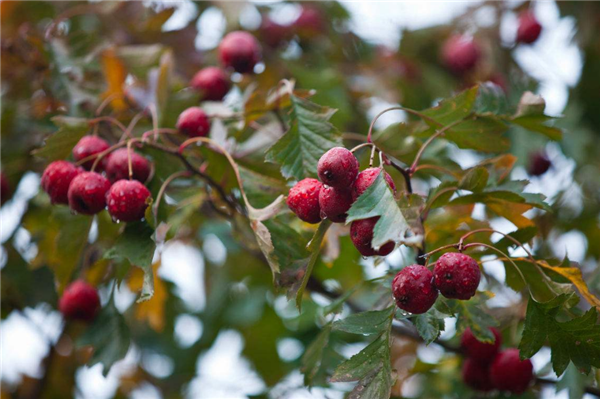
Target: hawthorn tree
[{"x": 267, "y": 143}]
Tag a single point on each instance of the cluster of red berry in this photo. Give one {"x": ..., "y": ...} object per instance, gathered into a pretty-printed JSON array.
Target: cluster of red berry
[
  {"x": 455, "y": 276},
  {"x": 487, "y": 368},
  {"x": 331, "y": 198},
  {"x": 89, "y": 192}
]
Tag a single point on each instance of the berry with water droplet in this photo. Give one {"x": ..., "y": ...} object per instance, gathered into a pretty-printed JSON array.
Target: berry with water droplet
[
  {"x": 80, "y": 301},
  {"x": 239, "y": 50},
  {"x": 414, "y": 290},
  {"x": 477, "y": 375},
  {"x": 361, "y": 233},
  {"x": 56, "y": 180},
  {"x": 367, "y": 177},
  {"x": 338, "y": 168},
  {"x": 117, "y": 167},
  {"x": 193, "y": 122},
  {"x": 87, "y": 193},
  {"x": 334, "y": 203},
  {"x": 127, "y": 200},
  {"x": 511, "y": 374},
  {"x": 538, "y": 164},
  {"x": 88, "y": 146},
  {"x": 212, "y": 83},
  {"x": 480, "y": 351},
  {"x": 457, "y": 275},
  {"x": 529, "y": 28},
  {"x": 303, "y": 200},
  {"x": 460, "y": 54}
]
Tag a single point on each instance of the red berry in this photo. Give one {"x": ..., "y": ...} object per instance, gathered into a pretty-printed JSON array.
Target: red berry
[
  {"x": 460, "y": 54},
  {"x": 361, "y": 233},
  {"x": 56, "y": 180},
  {"x": 193, "y": 122},
  {"x": 366, "y": 178},
  {"x": 457, "y": 275},
  {"x": 538, "y": 164},
  {"x": 79, "y": 301},
  {"x": 309, "y": 22},
  {"x": 334, "y": 203},
  {"x": 127, "y": 200},
  {"x": 212, "y": 83},
  {"x": 338, "y": 168},
  {"x": 480, "y": 351},
  {"x": 117, "y": 167},
  {"x": 273, "y": 34},
  {"x": 87, "y": 193},
  {"x": 5, "y": 191},
  {"x": 529, "y": 28},
  {"x": 477, "y": 375},
  {"x": 88, "y": 146},
  {"x": 510, "y": 373},
  {"x": 413, "y": 289},
  {"x": 239, "y": 50},
  {"x": 303, "y": 200}
]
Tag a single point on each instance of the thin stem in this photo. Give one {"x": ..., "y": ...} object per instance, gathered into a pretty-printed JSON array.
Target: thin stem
[
  {"x": 405, "y": 174},
  {"x": 410, "y": 111},
  {"x": 163, "y": 187},
  {"x": 428, "y": 254},
  {"x": 129, "y": 162},
  {"x": 98, "y": 157},
  {"x": 514, "y": 240},
  {"x": 131, "y": 125},
  {"x": 108, "y": 119},
  {"x": 435, "y": 197},
  {"x": 435, "y": 167},
  {"x": 154, "y": 115},
  {"x": 480, "y": 244},
  {"x": 372, "y": 156},
  {"x": 437, "y": 134},
  {"x": 105, "y": 102},
  {"x": 362, "y": 146}
]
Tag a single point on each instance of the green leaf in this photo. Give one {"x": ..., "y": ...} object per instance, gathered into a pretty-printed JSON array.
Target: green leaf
[
  {"x": 576, "y": 340},
  {"x": 475, "y": 179},
  {"x": 481, "y": 133},
  {"x": 378, "y": 200},
  {"x": 60, "y": 144},
  {"x": 313, "y": 356},
  {"x": 530, "y": 104},
  {"x": 429, "y": 325},
  {"x": 309, "y": 137},
  {"x": 472, "y": 314},
  {"x": 109, "y": 335},
  {"x": 440, "y": 195},
  {"x": 538, "y": 124},
  {"x": 453, "y": 109},
  {"x": 260, "y": 189},
  {"x": 367, "y": 323}
]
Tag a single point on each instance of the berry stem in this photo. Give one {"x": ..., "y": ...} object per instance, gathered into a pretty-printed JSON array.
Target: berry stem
[
  {"x": 372, "y": 156},
  {"x": 105, "y": 102},
  {"x": 129, "y": 163},
  {"x": 410, "y": 111},
  {"x": 362, "y": 146},
  {"x": 163, "y": 187},
  {"x": 108, "y": 119}
]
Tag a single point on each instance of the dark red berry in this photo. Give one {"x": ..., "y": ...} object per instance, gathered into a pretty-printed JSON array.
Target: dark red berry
[
  {"x": 239, "y": 50},
  {"x": 273, "y": 34},
  {"x": 127, "y": 200},
  {"x": 511, "y": 374},
  {"x": 477, "y": 375},
  {"x": 413, "y": 289},
  {"x": 334, "y": 203},
  {"x": 87, "y": 193},
  {"x": 366, "y": 178},
  {"x": 529, "y": 28},
  {"x": 457, "y": 275},
  {"x": 538, "y": 164},
  {"x": 117, "y": 167},
  {"x": 193, "y": 122},
  {"x": 338, "y": 168},
  {"x": 361, "y": 233},
  {"x": 460, "y": 54},
  {"x": 56, "y": 180},
  {"x": 212, "y": 83},
  {"x": 80, "y": 301},
  {"x": 5, "y": 191},
  {"x": 480, "y": 351},
  {"x": 310, "y": 22},
  {"x": 303, "y": 200},
  {"x": 88, "y": 146}
]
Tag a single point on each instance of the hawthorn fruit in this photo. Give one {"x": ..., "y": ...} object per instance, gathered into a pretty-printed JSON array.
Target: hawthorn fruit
[
  {"x": 56, "y": 180},
  {"x": 193, "y": 122},
  {"x": 212, "y": 83},
  {"x": 414, "y": 290},
  {"x": 80, "y": 301},
  {"x": 538, "y": 164},
  {"x": 457, "y": 275},
  {"x": 87, "y": 193},
  {"x": 88, "y": 146},
  {"x": 460, "y": 54},
  {"x": 338, "y": 168},
  {"x": 303, "y": 200},
  {"x": 511, "y": 374},
  {"x": 529, "y": 28},
  {"x": 127, "y": 200},
  {"x": 477, "y": 375},
  {"x": 117, "y": 167},
  {"x": 482, "y": 352},
  {"x": 335, "y": 203},
  {"x": 361, "y": 234},
  {"x": 240, "y": 50},
  {"x": 366, "y": 178}
]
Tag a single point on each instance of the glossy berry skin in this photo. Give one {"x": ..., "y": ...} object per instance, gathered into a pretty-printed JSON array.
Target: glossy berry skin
[
  {"x": 414, "y": 290},
  {"x": 460, "y": 54},
  {"x": 361, "y": 234},
  {"x": 212, "y": 83},
  {"x": 480, "y": 351},
  {"x": 338, "y": 168},
  {"x": 80, "y": 301},
  {"x": 5, "y": 191},
  {"x": 477, "y": 375},
  {"x": 88, "y": 146},
  {"x": 456, "y": 275},
  {"x": 117, "y": 167},
  {"x": 56, "y": 180},
  {"x": 529, "y": 28},
  {"x": 239, "y": 50},
  {"x": 193, "y": 122},
  {"x": 87, "y": 193},
  {"x": 366, "y": 178},
  {"x": 303, "y": 200},
  {"x": 127, "y": 200},
  {"x": 511, "y": 374},
  {"x": 538, "y": 164},
  {"x": 334, "y": 203}
]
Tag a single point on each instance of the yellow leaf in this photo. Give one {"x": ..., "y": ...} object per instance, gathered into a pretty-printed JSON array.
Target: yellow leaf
[
  {"x": 152, "y": 310},
  {"x": 511, "y": 211},
  {"x": 115, "y": 74}
]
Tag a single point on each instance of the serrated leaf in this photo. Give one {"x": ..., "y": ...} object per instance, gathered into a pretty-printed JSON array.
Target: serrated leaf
[
  {"x": 453, "y": 109},
  {"x": 475, "y": 179},
  {"x": 60, "y": 144},
  {"x": 378, "y": 200},
  {"x": 367, "y": 323},
  {"x": 309, "y": 137},
  {"x": 109, "y": 335},
  {"x": 429, "y": 325},
  {"x": 313, "y": 356},
  {"x": 481, "y": 133},
  {"x": 538, "y": 124},
  {"x": 365, "y": 362}
]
